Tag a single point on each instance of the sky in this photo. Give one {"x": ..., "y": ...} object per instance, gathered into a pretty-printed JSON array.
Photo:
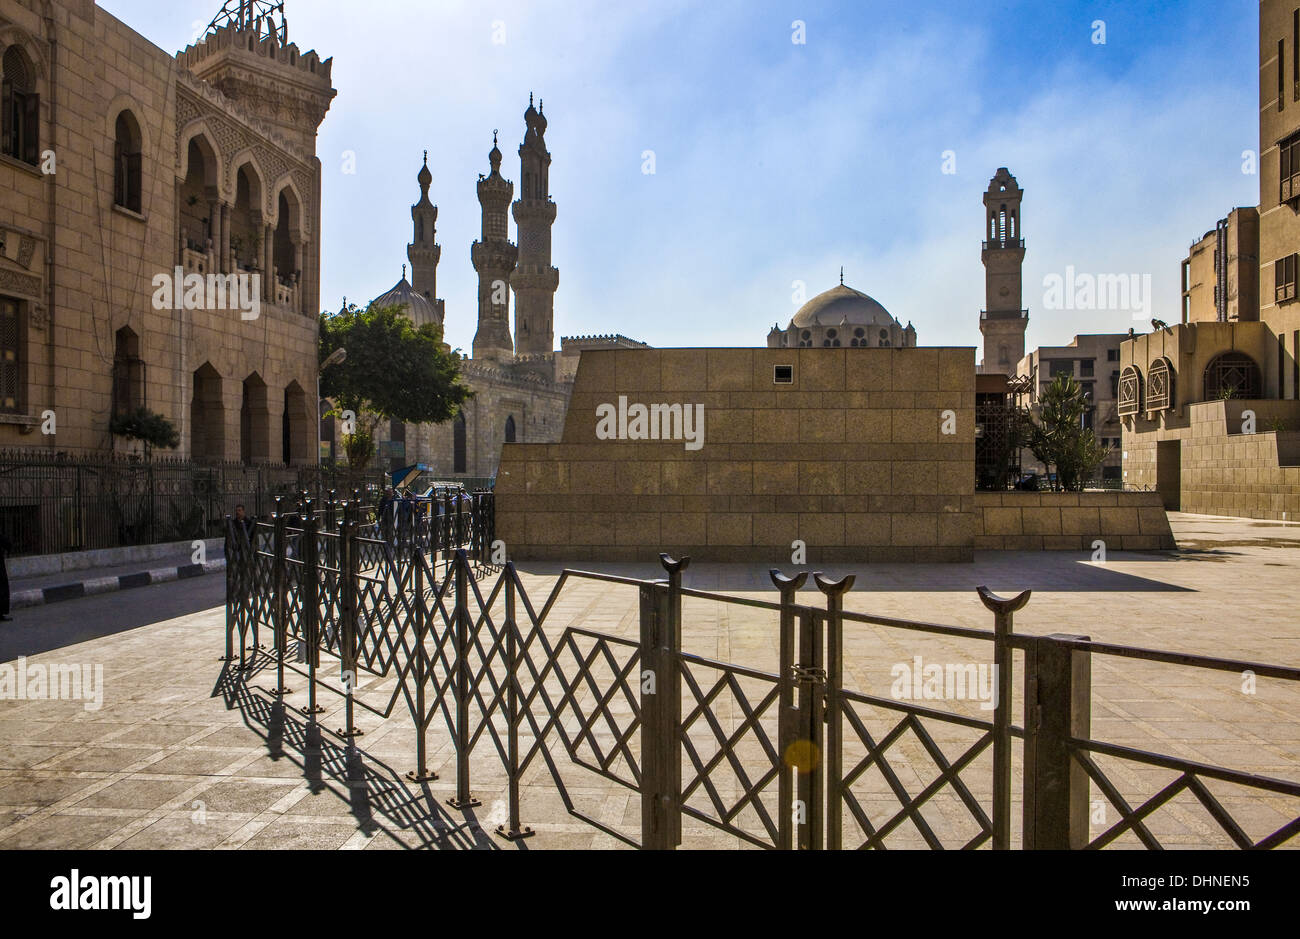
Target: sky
[{"x": 777, "y": 161}]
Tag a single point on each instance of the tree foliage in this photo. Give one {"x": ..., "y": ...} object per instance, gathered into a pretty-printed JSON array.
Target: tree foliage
[
  {"x": 393, "y": 371},
  {"x": 1058, "y": 438},
  {"x": 147, "y": 426}
]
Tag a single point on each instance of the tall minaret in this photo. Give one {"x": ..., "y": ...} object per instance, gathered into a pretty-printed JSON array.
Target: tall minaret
[
  {"x": 494, "y": 258},
  {"x": 1004, "y": 320},
  {"x": 534, "y": 280},
  {"x": 424, "y": 252}
]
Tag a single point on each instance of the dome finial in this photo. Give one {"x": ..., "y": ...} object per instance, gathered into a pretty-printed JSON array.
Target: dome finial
[
  {"x": 426, "y": 157},
  {"x": 841, "y": 275},
  {"x": 403, "y": 272}
]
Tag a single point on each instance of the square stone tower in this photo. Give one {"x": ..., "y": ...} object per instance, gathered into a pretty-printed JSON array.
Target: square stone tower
[{"x": 1003, "y": 320}]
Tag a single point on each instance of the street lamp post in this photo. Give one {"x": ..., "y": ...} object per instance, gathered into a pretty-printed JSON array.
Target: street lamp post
[{"x": 337, "y": 357}]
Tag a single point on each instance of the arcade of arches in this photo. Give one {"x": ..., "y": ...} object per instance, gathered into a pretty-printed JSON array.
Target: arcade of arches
[{"x": 260, "y": 424}]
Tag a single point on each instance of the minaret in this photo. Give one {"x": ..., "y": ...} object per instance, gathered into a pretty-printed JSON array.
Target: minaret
[
  {"x": 424, "y": 252},
  {"x": 534, "y": 280},
  {"x": 494, "y": 258},
  {"x": 1003, "y": 320}
]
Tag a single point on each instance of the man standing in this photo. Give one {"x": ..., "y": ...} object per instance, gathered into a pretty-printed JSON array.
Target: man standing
[{"x": 5, "y": 547}]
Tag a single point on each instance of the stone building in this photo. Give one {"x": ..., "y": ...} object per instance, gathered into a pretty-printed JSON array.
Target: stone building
[
  {"x": 841, "y": 317},
  {"x": 521, "y": 384},
  {"x": 1210, "y": 405},
  {"x": 124, "y": 166},
  {"x": 1220, "y": 275}
]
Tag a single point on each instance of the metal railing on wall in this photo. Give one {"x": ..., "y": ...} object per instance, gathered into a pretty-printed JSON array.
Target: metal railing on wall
[{"x": 50, "y": 505}]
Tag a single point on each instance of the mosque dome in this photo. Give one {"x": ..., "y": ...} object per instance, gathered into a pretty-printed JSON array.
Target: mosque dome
[
  {"x": 416, "y": 306},
  {"x": 842, "y": 317},
  {"x": 842, "y": 306}
]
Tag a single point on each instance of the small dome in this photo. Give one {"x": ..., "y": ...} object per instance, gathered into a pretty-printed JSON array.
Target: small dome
[
  {"x": 842, "y": 306},
  {"x": 416, "y": 307},
  {"x": 494, "y": 156}
]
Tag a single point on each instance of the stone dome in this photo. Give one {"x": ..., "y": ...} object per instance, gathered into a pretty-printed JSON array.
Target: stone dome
[
  {"x": 417, "y": 307},
  {"x": 842, "y": 306}
]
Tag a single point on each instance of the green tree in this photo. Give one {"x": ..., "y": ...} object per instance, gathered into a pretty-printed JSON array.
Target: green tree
[
  {"x": 1058, "y": 438},
  {"x": 393, "y": 371},
  {"x": 147, "y": 426}
]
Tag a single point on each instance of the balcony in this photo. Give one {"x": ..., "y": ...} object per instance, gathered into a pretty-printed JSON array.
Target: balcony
[
  {"x": 1004, "y": 315},
  {"x": 1003, "y": 244},
  {"x": 287, "y": 292},
  {"x": 196, "y": 261}
]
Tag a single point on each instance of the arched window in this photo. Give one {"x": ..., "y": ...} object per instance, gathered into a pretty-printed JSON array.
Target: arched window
[
  {"x": 1130, "y": 392},
  {"x": 1160, "y": 385},
  {"x": 126, "y": 162},
  {"x": 128, "y": 373},
  {"x": 20, "y": 136},
  {"x": 1232, "y": 375},
  {"x": 510, "y": 429},
  {"x": 458, "y": 444}
]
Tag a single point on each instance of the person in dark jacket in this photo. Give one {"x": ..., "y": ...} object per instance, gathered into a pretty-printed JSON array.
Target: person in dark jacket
[{"x": 5, "y": 547}]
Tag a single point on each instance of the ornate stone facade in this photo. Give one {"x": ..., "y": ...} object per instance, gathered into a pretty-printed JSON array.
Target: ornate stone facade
[{"x": 146, "y": 164}]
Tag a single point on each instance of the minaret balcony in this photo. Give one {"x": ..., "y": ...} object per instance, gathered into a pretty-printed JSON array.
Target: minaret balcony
[{"x": 1003, "y": 315}]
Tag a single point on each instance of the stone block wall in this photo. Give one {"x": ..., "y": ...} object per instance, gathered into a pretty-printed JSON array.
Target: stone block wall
[
  {"x": 1071, "y": 521},
  {"x": 850, "y": 457},
  {"x": 1223, "y": 471}
]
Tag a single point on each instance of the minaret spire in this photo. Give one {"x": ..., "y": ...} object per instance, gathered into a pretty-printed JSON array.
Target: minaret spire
[
  {"x": 534, "y": 280},
  {"x": 494, "y": 259},
  {"x": 1003, "y": 321},
  {"x": 424, "y": 252}
]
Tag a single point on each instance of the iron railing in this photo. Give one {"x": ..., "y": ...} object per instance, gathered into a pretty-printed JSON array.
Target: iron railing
[{"x": 778, "y": 757}]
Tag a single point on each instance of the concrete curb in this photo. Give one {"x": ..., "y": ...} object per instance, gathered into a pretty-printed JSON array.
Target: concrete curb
[{"x": 90, "y": 587}]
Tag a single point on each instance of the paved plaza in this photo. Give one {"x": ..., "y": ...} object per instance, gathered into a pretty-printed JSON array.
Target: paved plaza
[{"x": 179, "y": 756}]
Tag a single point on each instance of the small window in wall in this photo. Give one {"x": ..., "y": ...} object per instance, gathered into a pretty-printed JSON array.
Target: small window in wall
[
  {"x": 783, "y": 374},
  {"x": 128, "y": 373},
  {"x": 510, "y": 429},
  {"x": 11, "y": 397},
  {"x": 21, "y": 108},
  {"x": 126, "y": 163},
  {"x": 458, "y": 445},
  {"x": 1284, "y": 279},
  {"x": 1085, "y": 368}
]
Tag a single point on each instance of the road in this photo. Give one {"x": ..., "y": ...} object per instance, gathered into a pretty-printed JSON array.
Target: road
[{"x": 56, "y": 625}]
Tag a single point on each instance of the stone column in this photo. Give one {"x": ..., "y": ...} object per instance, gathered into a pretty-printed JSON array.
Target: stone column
[
  {"x": 226, "y": 265},
  {"x": 215, "y": 235},
  {"x": 268, "y": 271}
]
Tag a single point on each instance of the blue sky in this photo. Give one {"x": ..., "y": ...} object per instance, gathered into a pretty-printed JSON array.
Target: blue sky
[{"x": 778, "y": 162}]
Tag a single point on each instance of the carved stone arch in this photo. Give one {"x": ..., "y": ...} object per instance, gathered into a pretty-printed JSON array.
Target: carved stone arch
[
  {"x": 12, "y": 35},
  {"x": 258, "y": 189},
  {"x": 125, "y": 102},
  {"x": 199, "y": 132},
  {"x": 299, "y": 224}
]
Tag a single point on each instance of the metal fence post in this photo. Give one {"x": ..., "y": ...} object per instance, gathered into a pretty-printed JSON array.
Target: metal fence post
[
  {"x": 421, "y": 772},
  {"x": 309, "y": 598},
  {"x": 463, "y": 799},
  {"x": 788, "y": 718},
  {"x": 833, "y": 715},
  {"x": 232, "y": 596},
  {"x": 1003, "y": 609},
  {"x": 280, "y": 575},
  {"x": 516, "y": 828},
  {"x": 1058, "y": 689},
  {"x": 349, "y": 578}
]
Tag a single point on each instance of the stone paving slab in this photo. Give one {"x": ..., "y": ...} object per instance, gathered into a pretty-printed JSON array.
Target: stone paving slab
[{"x": 175, "y": 757}]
